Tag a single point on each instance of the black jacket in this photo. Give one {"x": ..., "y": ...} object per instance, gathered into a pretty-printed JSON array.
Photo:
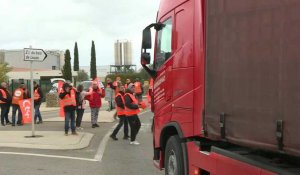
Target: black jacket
[
  {"x": 39, "y": 101},
  {"x": 119, "y": 101},
  {"x": 9, "y": 97},
  {"x": 129, "y": 104}
]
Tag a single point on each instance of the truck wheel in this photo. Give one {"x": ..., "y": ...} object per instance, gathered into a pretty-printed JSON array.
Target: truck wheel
[{"x": 174, "y": 157}]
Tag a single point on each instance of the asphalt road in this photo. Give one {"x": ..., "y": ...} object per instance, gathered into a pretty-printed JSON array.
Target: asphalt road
[{"x": 119, "y": 157}]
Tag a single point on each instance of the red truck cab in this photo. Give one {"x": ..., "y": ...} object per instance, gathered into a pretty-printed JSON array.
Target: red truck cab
[{"x": 181, "y": 144}]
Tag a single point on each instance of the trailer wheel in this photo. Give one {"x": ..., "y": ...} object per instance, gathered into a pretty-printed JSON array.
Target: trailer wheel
[{"x": 174, "y": 157}]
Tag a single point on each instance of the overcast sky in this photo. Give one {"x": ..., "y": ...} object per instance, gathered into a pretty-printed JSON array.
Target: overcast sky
[{"x": 57, "y": 24}]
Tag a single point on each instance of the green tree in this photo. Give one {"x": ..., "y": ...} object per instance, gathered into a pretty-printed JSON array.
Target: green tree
[
  {"x": 93, "y": 66},
  {"x": 4, "y": 69},
  {"x": 67, "y": 70},
  {"x": 82, "y": 76},
  {"x": 76, "y": 58}
]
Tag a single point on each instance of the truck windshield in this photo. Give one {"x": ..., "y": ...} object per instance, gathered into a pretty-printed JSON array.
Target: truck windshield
[{"x": 164, "y": 44}]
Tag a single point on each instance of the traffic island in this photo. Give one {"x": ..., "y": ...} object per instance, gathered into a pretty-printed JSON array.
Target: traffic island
[{"x": 51, "y": 140}]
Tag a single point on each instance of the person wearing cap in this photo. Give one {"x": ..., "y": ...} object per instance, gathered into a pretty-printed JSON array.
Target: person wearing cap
[
  {"x": 121, "y": 114},
  {"x": 19, "y": 94},
  {"x": 139, "y": 90},
  {"x": 131, "y": 111},
  {"x": 38, "y": 97},
  {"x": 68, "y": 101},
  {"x": 96, "y": 93},
  {"x": 5, "y": 103}
]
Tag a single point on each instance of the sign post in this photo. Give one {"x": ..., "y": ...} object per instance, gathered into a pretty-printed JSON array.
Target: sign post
[{"x": 32, "y": 55}]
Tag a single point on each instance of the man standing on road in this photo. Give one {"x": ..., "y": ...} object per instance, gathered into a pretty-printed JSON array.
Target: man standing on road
[
  {"x": 121, "y": 114},
  {"x": 96, "y": 93},
  {"x": 38, "y": 97},
  {"x": 139, "y": 90},
  {"x": 68, "y": 100},
  {"x": 132, "y": 110},
  {"x": 19, "y": 94},
  {"x": 5, "y": 102}
]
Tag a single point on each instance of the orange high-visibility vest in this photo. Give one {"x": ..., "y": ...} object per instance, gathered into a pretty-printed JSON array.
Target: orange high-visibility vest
[
  {"x": 121, "y": 111},
  {"x": 69, "y": 99},
  {"x": 36, "y": 94},
  {"x": 131, "y": 112},
  {"x": 18, "y": 95},
  {"x": 4, "y": 95},
  {"x": 138, "y": 87}
]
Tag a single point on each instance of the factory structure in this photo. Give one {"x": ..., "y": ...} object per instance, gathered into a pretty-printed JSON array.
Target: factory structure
[{"x": 123, "y": 57}]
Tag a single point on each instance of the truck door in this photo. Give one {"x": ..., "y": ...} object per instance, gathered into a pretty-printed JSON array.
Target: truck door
[
  {"x": 163, "y": 66},
  {"x": 163, "y": 83}
]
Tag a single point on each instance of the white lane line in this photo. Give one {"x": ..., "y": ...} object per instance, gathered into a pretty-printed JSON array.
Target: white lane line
[
  {"x": 102, "y": 146},
  {"x": 98, "y": 157},
  {"x": 103, "y": 143},
  {"x": 48, "y": 156}
]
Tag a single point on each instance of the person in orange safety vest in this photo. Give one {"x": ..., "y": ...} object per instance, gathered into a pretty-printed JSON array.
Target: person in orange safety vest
[
  {"x": 5, "y": 103},
  {"x": 19, "y": 94},
  {"x": 38, "y": 98},
  {"x": 131, "y": 111},
  {"x": 121, "y": 114},
  {"x": 68, "y": 101},
  {"x": 139, "y": 90}
]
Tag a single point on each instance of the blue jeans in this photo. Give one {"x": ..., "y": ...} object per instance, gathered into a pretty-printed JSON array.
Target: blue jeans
[
  {"x": 37, "y": 112},
  {"x": 14, "y": 112},
  {"x": 4, "y": 113},
  {"x": 70, "y": 117}
]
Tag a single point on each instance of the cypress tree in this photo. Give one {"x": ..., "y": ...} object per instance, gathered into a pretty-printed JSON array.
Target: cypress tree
[
  {"x": 93, "y": 62},
  {"x": 76, "y": 58},
  {"x": 67, "y": 70}
]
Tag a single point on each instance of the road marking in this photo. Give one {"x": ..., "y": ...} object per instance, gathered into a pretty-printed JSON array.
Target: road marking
[
  {"x": 48, "y": 156},
  {"x": 103, "y": 143},
  {"x": 98, "y": 157}
]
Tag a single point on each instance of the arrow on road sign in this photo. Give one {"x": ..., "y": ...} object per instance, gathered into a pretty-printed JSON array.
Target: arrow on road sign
[{"x": 34, "y": 54}]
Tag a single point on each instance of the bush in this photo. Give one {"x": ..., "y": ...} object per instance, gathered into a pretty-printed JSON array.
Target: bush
[{"x": 52, "y": 100}]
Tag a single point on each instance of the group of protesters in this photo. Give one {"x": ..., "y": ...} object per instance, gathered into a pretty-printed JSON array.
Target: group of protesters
[
  {"x": 8, "y": 100},
  {"x": 127, "y": 99}
]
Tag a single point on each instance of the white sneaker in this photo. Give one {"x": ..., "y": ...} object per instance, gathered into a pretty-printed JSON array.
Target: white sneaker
[{"x": 134, "y": 143}]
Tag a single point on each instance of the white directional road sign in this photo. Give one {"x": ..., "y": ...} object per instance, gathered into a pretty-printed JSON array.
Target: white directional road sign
[{"x": 34, "y": 54}]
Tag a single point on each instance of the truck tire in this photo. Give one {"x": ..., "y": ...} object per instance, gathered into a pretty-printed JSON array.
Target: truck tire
[{"x": 174, "y": 157}]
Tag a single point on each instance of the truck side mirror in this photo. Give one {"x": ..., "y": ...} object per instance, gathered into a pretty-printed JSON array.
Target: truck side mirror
[
  {"x": 146, "y": 42},
  {"x": 145, "y": 58}
]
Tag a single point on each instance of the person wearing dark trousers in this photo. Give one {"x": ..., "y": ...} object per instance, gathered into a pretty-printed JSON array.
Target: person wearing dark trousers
[
  {"x": 68, "y": 101},
  {"x": 132, "y": 110},
  {"x": 81, "y": 104},
  {"x": 5, "y": 103},
  {"x": 38, "y": 98},
  {"x": 19, "y": 94},
  {"x": 121, "y": 114}
]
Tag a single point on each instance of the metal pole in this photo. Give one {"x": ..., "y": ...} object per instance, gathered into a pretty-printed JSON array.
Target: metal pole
[{"x": 32, "y": 99}]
